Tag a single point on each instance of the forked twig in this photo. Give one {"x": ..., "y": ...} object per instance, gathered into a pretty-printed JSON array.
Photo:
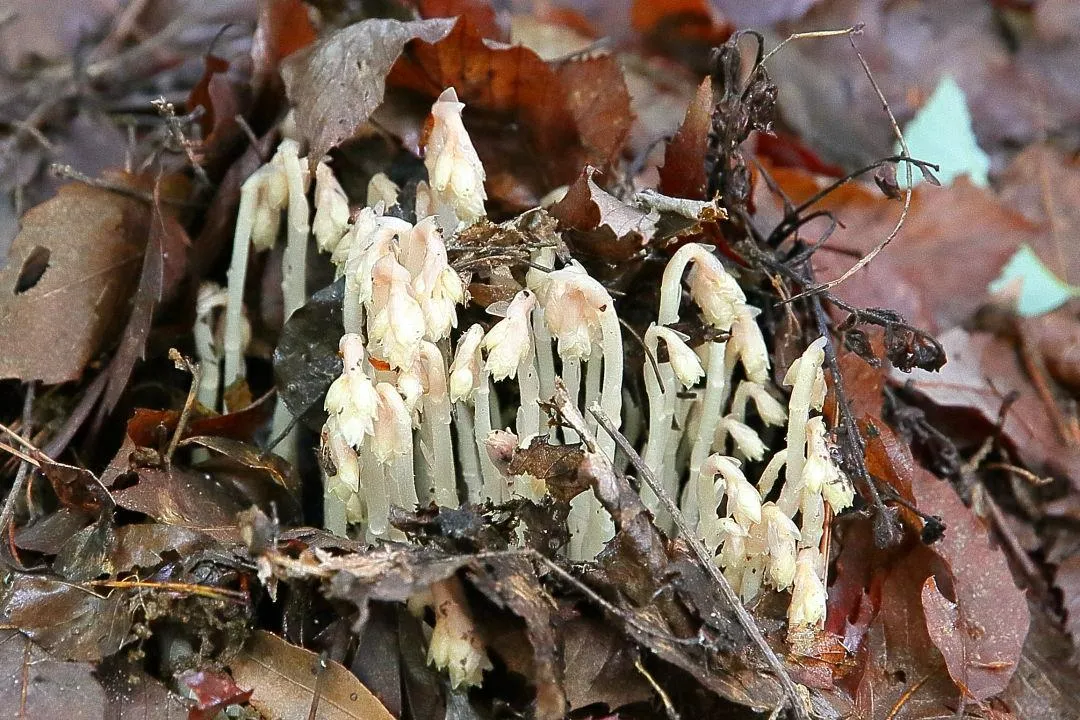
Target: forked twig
[
  {"x": 746, "y": 621},
  {"x": 905, "y": 154}
]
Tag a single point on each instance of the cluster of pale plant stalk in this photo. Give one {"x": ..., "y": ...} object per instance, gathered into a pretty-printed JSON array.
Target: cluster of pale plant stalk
[{"x": 414, "y": 418}]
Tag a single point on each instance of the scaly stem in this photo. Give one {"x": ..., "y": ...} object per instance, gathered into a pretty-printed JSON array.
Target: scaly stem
[
  {"x": 467, "y": 452},
  {"x": 572, "y": 376},
  {"x": 494, "y": 483}
]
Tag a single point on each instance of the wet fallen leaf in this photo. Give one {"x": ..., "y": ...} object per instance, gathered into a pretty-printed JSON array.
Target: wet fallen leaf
[
  {"x": 214, "y": 691},
  {"x": 338, "y": 82},
  {"x": 70, "y": 622},
  {"x": 61, "y": 315},
  {"x": 306, "y": 359},
  {"x": 36, "y": 685},
  {"x": 289, "y": 681}
]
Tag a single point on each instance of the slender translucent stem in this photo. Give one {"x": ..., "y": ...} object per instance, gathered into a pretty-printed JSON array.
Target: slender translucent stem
[
  {"x": 234, "y": 330},
  {"x": 467, "y": 452},
  {"x": 494, "y": 483}
]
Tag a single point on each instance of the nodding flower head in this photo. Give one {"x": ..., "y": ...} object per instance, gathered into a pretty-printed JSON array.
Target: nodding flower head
[
  {"x": 509, "y": 342},
  {"x": 808, "y": 598},
  {"x": 455, "y": 172},
  {"x": 331, "y": 221},
  {"x": 715, "y": 291},
  {"x": 351, "y": 398},
  {"x": 576, "y": 301},
  {"x": 465, "y": 369},
  {"x": 398, "y": 325},
  {"x": 684, "y": 361},
  {"x": 748, "y": 344},
  {"x": 436, "y": 285},
  {"x": 393, "y": 429}
]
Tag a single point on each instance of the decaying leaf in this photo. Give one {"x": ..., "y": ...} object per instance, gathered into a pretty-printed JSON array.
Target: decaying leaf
[
  {"x": 981, "y": 629},
  {"x": 214, "y": 691},
  {"x": 683, "y": 172},
  {"x": 70, "y": 622},
  {"x": 981, "y": 373},
  {"x": 306, "y": 358},
  {"x": 68, "y": 278},
  {"x": 34, "y": 684},
  {"x": 338, "y": 82},
  {"x": 289, "y": 681}
]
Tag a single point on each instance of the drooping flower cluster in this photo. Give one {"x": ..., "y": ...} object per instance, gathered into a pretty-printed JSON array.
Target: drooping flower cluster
[{"x": 417, "y": 405}]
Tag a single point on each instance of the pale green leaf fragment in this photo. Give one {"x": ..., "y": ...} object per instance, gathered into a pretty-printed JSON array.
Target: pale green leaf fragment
[
  {"x": 941, "y": 133},
  {"x": 1035, "y": 287}
]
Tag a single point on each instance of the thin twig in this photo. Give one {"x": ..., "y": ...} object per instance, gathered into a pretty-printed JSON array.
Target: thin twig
[
  {"x": 816, "y": 34},
  {"x": 669, "y": 708},
  {"x": 70, "y": 173},
  {"x": 183, "y": 363},
  {"x": 746, "y": 621},
  {"x": 7, "y": 515},
  {"x": 905, "y": 153}
]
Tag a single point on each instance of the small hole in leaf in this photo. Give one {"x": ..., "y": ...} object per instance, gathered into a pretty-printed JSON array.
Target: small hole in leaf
[{"x": 35, "y": 265}]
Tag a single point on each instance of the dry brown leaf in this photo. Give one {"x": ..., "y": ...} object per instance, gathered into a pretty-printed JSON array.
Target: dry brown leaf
[
  {"x": 960, "y": 224},
  {"x": 288, "y": 681},
  {"x": 982, "y": 370},
  {"x": 1044, "y": 185},
  {"x": 81, "y": 253},
  {"x": 683, "y": 173},
  {"x": 981, "y": 628},
  {"x": 338, "y": 82}
]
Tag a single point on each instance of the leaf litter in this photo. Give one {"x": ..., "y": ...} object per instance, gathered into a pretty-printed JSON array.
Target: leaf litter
[{"x": 168, "y": 560}]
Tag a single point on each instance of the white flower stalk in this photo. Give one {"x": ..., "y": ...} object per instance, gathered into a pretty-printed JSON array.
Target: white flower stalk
[
  {"x": 782, "y": 537},
  {"x": 436, "y": 417},
  {"x": 391, "y": 447},
  {"x": 382, "y": 189},
  {"x": 466, "y": 372},
  {"x": 509, "y": 355},
  {"x": 684, "y": 362},
  {"x": 803, "y": 376},
  {"x": 262, "y": 197},
  {"x": 436, "y": 285},
  {"x": 719, "y": 476},
  {"x": 769, "y": 409},
  {"x": 341, "y": 485},
  {"x": 351, "y": 399},
  {"x": 293, "y": 274},
  {"x": 455, "y": 173},
  {"x": 580, "y": 314},
  {"x": 748, "y": 443},
  {"x": 747, "y": 345},
  {"x": 397, "y": 326},
  {"x": 661, "y": 390},
  {"x": 331, "y": 221},
  {"x": 808, "y": 597},
  {"x": 207, "y": 346},
  {"x": 545, "y": 355},
  {"x": 455, "y": 645}
]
